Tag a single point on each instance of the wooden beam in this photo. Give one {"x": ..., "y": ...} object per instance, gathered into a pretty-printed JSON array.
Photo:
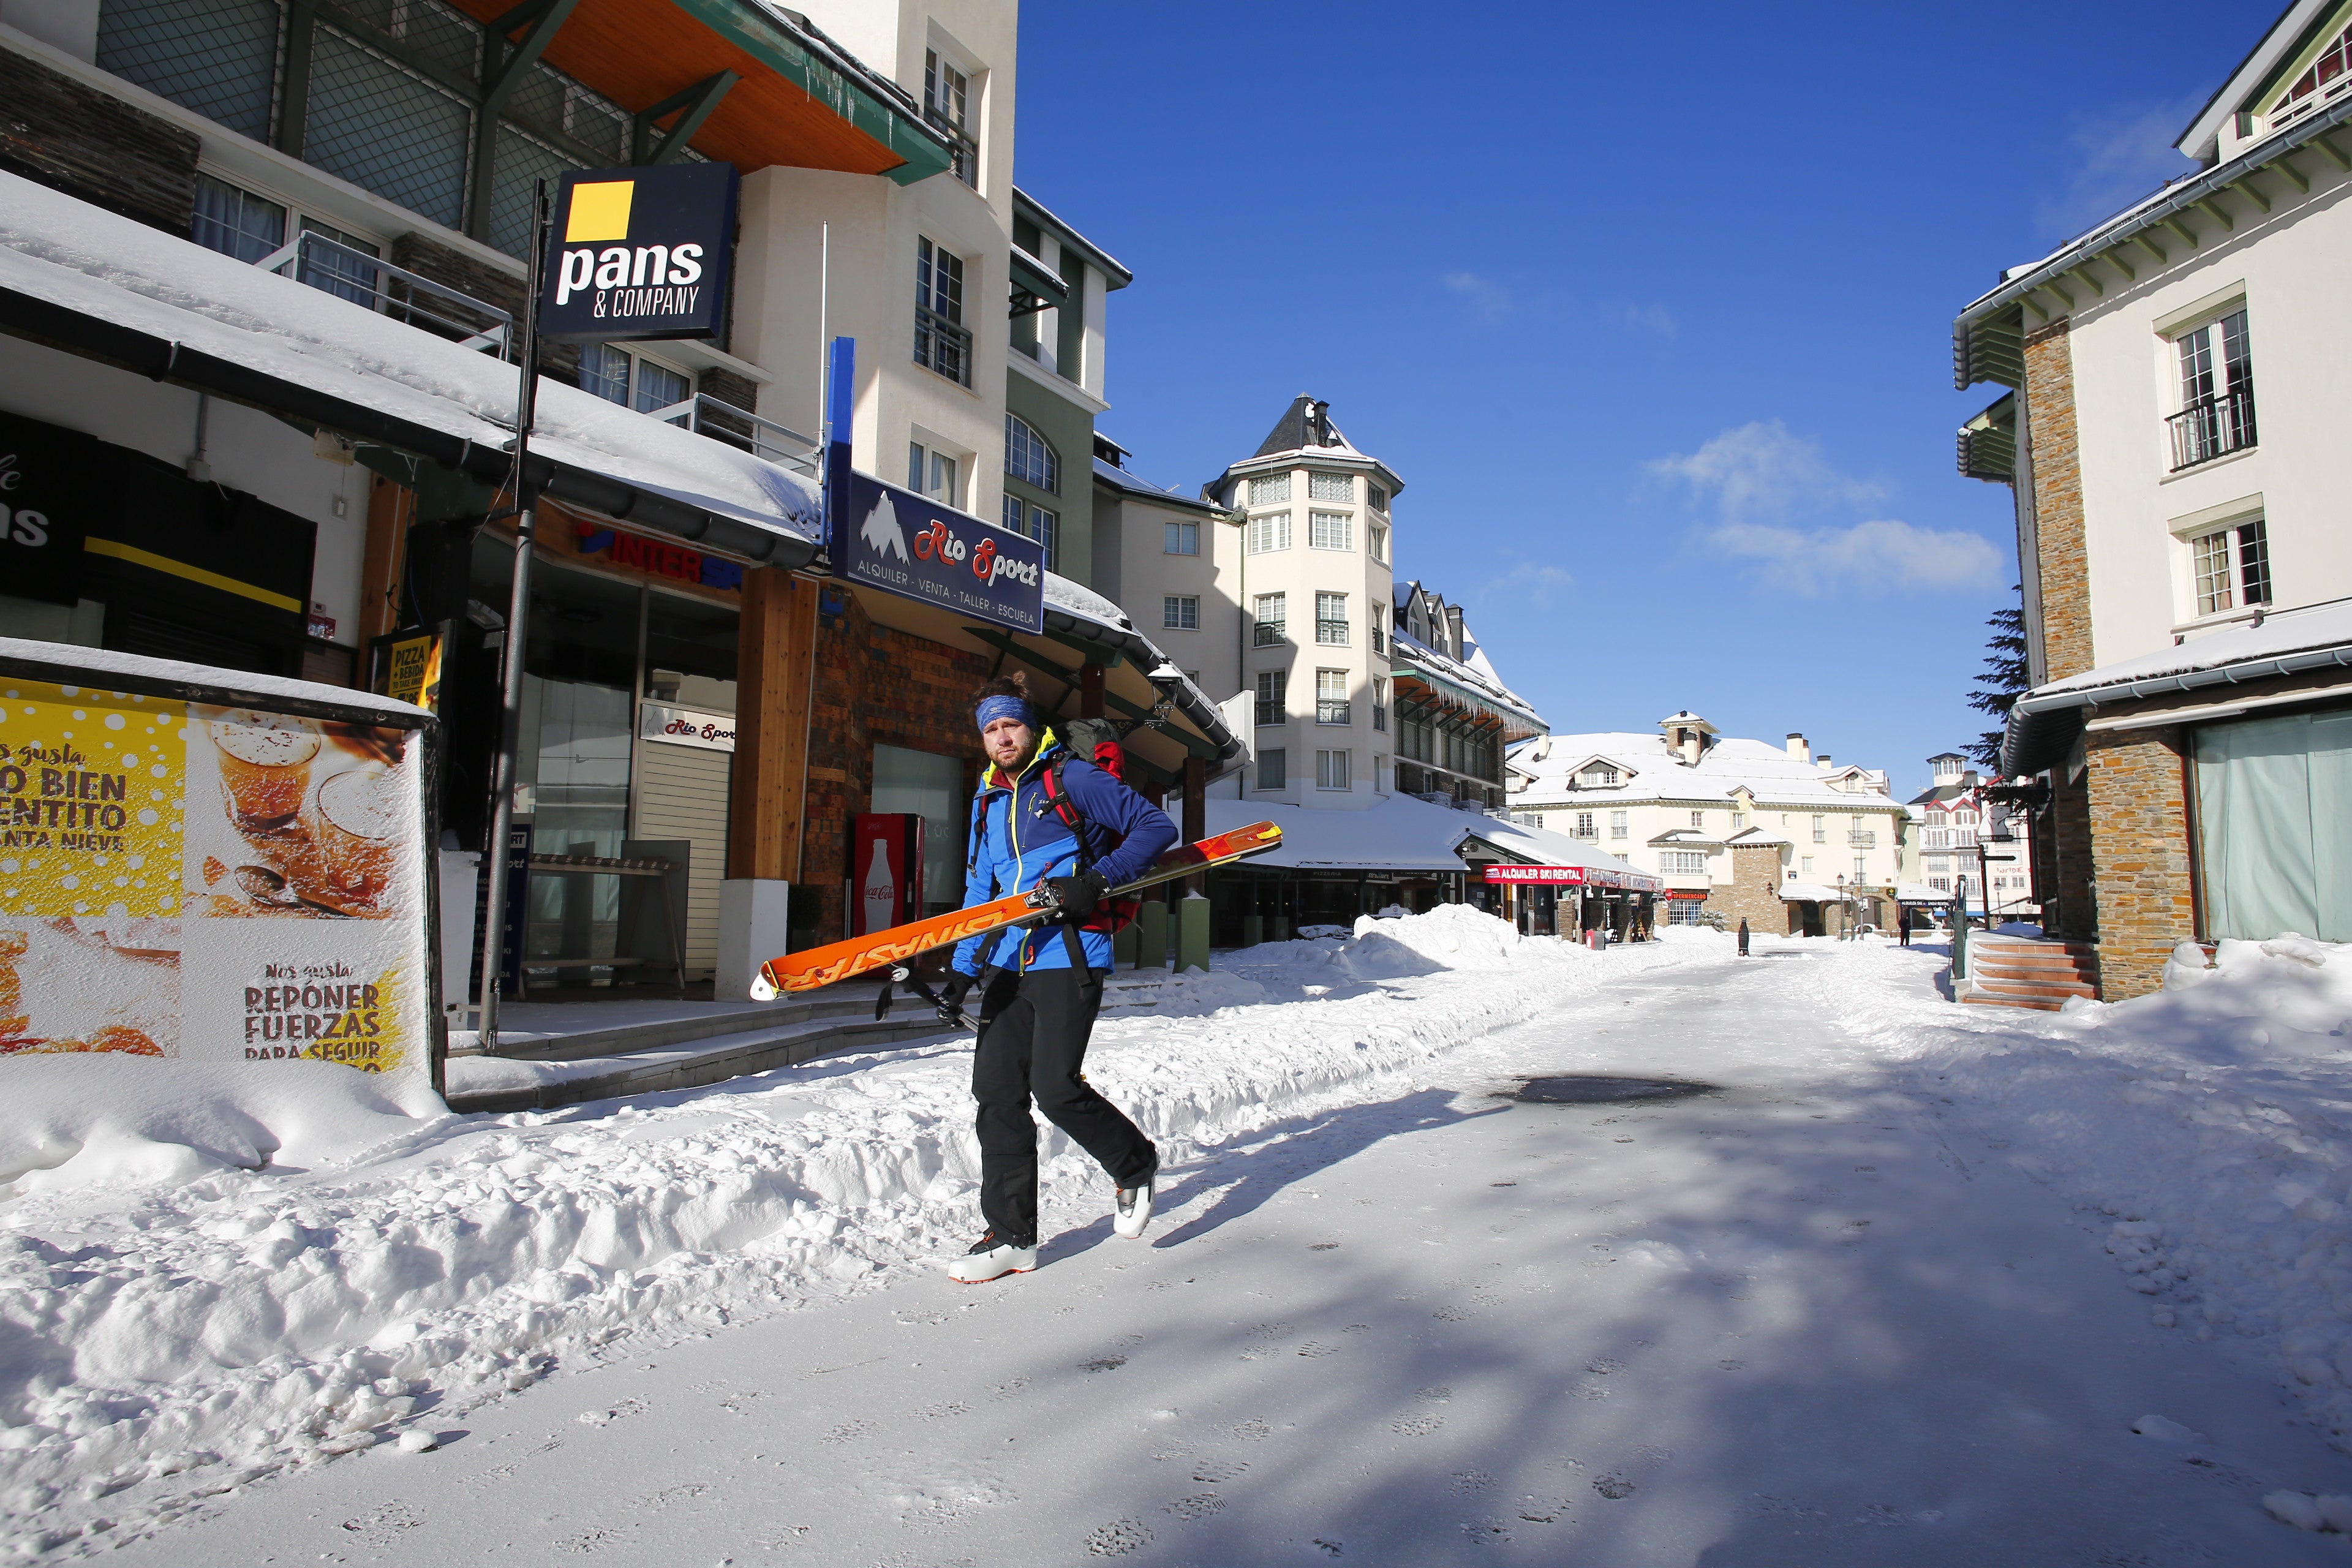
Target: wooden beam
[
  {"x": 2245, "y": 188},
  {"x": 2083, "y": 272},
  {"x": 2328, "y": 147},
  {"x": 649, "y": 146},
  {"x": 2285, "y": 168},
  {"x": 775, "y": 672},
  {"x": 2212, "y": 209},
  {"x": 391, "y": 507},
  {"x": 2179, "y": 225},
  {"x": 2053, "y": 286},
  {"x": 2114, "y": 258},
  {"x": 2147, "y": 242}
]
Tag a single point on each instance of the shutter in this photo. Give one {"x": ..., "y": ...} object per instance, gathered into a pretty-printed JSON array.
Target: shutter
[{"x": 682, "y": 793}]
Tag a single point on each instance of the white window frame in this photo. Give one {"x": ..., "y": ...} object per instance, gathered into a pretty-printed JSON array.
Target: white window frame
[
  {"x": 1269, "y": 490},
  {"x": 1331, "y": 530},
  {"x": 1179, "y": 536},
  {"x": 1279, "y": 760},
  {"x": 1376, "y": 542},
  {"x": 1332, "y": 769},
  {"x": 1269, "y": 532},
  {"x": 1179, "y": 612}
]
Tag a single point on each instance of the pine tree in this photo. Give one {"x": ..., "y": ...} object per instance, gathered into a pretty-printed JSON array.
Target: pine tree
[{"x": 2003, "y": 681}]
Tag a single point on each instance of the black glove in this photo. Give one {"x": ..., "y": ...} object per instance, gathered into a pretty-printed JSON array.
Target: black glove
[
  {"x": 953, "y": 993},
  {"x": 1076, "y": 896}
]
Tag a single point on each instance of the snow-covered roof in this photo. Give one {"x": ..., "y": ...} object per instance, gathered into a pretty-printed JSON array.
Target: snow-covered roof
[
  {"x": 1136, "y": 485},
  {"x": 148, "y": 287},
  {"x": 1403, "y": 833},
  {"x": 2314, "y": 638},
  {"x": 1649, "y": 770},
  {"x": 1811, "y": 892},
  {"x": 1757, "y": 838},
  {"x": 1474, "y": 673}
]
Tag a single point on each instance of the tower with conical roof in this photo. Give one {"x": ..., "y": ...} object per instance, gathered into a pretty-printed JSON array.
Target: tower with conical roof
[{"x": 1313, "y": 581}]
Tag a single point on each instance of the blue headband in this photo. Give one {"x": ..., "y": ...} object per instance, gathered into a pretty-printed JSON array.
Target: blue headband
[{"x": 995, "y": 707}]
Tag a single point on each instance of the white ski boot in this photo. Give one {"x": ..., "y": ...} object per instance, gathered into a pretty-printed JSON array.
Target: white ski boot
[
  {"x": 991, "y": 1259},
  {"x": 1132, "y": 1209}
]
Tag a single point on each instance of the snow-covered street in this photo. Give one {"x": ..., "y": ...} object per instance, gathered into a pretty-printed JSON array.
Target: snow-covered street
[{"x": 1855, "y": 1303}]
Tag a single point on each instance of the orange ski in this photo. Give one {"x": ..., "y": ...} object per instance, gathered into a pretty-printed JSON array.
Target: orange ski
[{"x": 844, "y": 960}]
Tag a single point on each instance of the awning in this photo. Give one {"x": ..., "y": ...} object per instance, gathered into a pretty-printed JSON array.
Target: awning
[
  {"x": 114, "y": 290},
  {"x": 2210, "y": 677},
  {"x": 1402, "y": 833},
  {"x": 1814, "y": 893}
]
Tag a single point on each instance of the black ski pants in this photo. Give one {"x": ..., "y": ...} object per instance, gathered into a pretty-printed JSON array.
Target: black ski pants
[{"x": 1033, "y": 1044}]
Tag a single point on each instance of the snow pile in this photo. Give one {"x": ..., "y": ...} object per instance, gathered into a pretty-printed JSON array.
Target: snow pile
[{"x": 171, "y": 1340}]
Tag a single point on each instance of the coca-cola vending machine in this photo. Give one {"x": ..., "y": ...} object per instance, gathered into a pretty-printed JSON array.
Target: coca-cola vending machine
[{"x": 886, "y": 871}]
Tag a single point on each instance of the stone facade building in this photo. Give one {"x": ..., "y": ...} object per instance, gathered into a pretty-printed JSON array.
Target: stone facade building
[{"x": 2173, "y": 439}]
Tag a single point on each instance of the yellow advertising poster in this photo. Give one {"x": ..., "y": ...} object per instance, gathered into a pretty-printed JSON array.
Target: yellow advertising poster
[
  {"x": 413, "y": 670},
  {"x": 208, "y": 883}
]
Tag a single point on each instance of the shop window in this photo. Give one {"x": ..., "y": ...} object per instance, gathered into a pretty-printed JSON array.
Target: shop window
[
  {"x": 1181, "y": 539},
  {"x": 1273, "y": 769},
  {"x": 1330, "y": 487},
  {"x": 2274, "y": 826},
  {"x": 926, "y": 784},
  {"x": 1684, "y": 911}
]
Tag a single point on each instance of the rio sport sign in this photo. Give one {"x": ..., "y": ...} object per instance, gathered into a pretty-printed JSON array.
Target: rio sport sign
[
  {"x": 904, "y": 543},
  {"x": 640, "y": 253}
]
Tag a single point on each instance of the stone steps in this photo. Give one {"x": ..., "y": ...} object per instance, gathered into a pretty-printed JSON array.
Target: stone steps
[{"x": 2021, "y": 972}]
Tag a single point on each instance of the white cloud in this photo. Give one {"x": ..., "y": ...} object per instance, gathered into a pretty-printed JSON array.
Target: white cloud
[
  {"x": 1655, "y": 320},
  {"x": 2117, "y": 159},
  {"x": 1489, "y": 302},
  {"x": 1761, "y": 468},
  {"x": 1537, "y": 585},
  {"x": 1880, "y": 554}
]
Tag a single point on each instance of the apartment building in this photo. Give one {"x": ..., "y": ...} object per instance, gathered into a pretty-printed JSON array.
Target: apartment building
[
  {"x": 262, "y": 270},
  {"x": 1960, "y": 827},
  {"x": 1738, "y": 830},
  {"x": 2171, "y": 435}
]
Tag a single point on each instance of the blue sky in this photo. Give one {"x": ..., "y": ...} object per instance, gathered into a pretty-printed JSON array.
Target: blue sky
[{"x": 1649, "y": 305}]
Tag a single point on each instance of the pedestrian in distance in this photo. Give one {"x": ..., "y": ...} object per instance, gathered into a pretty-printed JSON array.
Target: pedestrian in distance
[
  {"x": 1045, "y": 818},
  {"x": 1903, "y": 923},
  {"x": 1743, "y": 936}
]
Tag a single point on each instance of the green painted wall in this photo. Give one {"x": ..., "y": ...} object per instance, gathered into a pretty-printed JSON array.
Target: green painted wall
[{"x": 1070, "y": 430}]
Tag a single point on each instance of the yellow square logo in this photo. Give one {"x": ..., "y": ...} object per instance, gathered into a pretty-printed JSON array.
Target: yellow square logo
[{"x": 599, "y": 212}]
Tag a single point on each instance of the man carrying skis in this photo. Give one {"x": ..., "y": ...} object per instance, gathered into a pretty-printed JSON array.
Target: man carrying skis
[{"x": 1043, "y": 817}]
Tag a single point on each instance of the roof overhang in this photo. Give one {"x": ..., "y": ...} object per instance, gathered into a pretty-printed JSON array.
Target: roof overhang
[
  {"x": 2276, "y": 49},
  {"x": 802, "y": 101},
  {"x": 1988, "y": 443},
  {"x": 1988, "y": 337}
]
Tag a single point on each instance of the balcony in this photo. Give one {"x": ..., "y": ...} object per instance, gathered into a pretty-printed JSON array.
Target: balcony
[
  {"x": 350, "y": 274},
  {"x": 2212, "y": 427},
  {"x": 1268, "y": 633},
  {"x": 1331, "y": 634},
  {"x": 1271, "y": 712},
  {"x": 744, "y": 430},
  {"x": 1862, "y": 838},
  {"x": 1331, "y": 711}
]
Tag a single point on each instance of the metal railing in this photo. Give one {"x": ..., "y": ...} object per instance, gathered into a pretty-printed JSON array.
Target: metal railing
[
  {"x": 1862, "y": 838},
  {"x": 1379, "y": 716},
  {"x": 2213, "y": 426},
  {"x": 739, "y": 428},
  {"x": 1272, "y": 711},
  {"x": 1380, "y": 642},
  {"x": 352, "y": 274},
  {"x": 942, "y": 345},
  {"x": 1268, "y": 633},
  {"x": 1334, "y": 710},
  {"x": 1331, "y": 634}
]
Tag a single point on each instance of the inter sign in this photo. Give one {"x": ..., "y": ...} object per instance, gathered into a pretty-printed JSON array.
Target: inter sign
[{"x": 640, "y": 253}]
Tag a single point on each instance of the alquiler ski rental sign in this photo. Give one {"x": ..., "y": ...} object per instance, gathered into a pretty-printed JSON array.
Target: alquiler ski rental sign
[
  {"x": 640, "y": 253},
  {"x": 904, "y": 543}
]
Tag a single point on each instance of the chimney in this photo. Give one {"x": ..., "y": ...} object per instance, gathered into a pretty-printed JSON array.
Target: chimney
[
  {"x": 1799, "y": 748},
  {"x": 1823, "y": 762},
  {"x": 1319, "y": 422},
  {"x": 1454, "y": 630}
]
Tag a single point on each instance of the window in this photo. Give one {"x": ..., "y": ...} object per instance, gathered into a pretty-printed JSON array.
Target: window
[
  {"x": 1028, "y": 456},
  {"x": 1330, "y": 487},
  {"x": 1684, "y": 911},
  {"x": 1270, "y": 615},
  {"x": 1941, "y": 884},
  {"x": 1738, "y": 820},
  {"x": 1600, "y": 777},
  {"x": 1805, "y": 864},
  {"x": 1376, "y": 498},
  {"x": 1683, "y": 862},
  {"x": 619, "y": 376},
  {"x": 1330, "y": 530},
  {"x": 1039, "y": 523},
  {"x": 1180, "y": 612},
  {"x": 1273, "y": 769},
  {"x": 933, "y": 474},
  {"x": 941, "y": 341},
  {"x": 1379, "y": 703},
  {"x": 1332, "y": 770},
  {"x": 1269, "y": 533},
  {"x": 946, "y": 95},
  {"x": 1273, "y": 696},
  {"x": 1618, "y": 826},
  {"x": 1181, "y": 539},
  {"x": 1331, "y": 619},
  {"x": 1376, "y": 541},
  {"x": 1860, "y": 871},
  {"x": 1584, "y": 826},
  {"x": 237, "y": 222},
  {"x": 1266, "y": 490},
  {"x": 1331, "y": 704},
  {"x": 1821, "y": 830},
  {"x": 2327, "y": 79},
  {"x": 1698, "y": 819},
  {"x": 2233, "y": 567},
  {"x": 2217, "y": 392},
  {"x": 1373, "y": 623}
]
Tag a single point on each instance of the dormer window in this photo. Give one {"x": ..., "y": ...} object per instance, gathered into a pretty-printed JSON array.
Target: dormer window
[
  {"x": 1597, "y": 777},
  {"x": 2328, "y": 78}
]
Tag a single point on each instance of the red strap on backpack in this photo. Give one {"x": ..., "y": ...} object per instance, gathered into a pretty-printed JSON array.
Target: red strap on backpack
[{"x": 1111, "y": 914}]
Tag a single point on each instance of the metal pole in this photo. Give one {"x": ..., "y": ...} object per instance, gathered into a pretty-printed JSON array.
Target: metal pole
[{"x": 502, "y": 770}]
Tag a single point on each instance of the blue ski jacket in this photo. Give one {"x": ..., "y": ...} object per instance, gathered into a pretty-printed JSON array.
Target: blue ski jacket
[{"x": 1019, "y": 840}]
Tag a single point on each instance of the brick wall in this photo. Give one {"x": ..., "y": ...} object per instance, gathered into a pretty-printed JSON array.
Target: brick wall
[
  {"x": 1754, "y": 895},
  {"x": 2058, "y": 502},
  {"x": 94, "y": 148},
  {"x": 877, "y": 686},
  {"x": 2139, "y": 855}
]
